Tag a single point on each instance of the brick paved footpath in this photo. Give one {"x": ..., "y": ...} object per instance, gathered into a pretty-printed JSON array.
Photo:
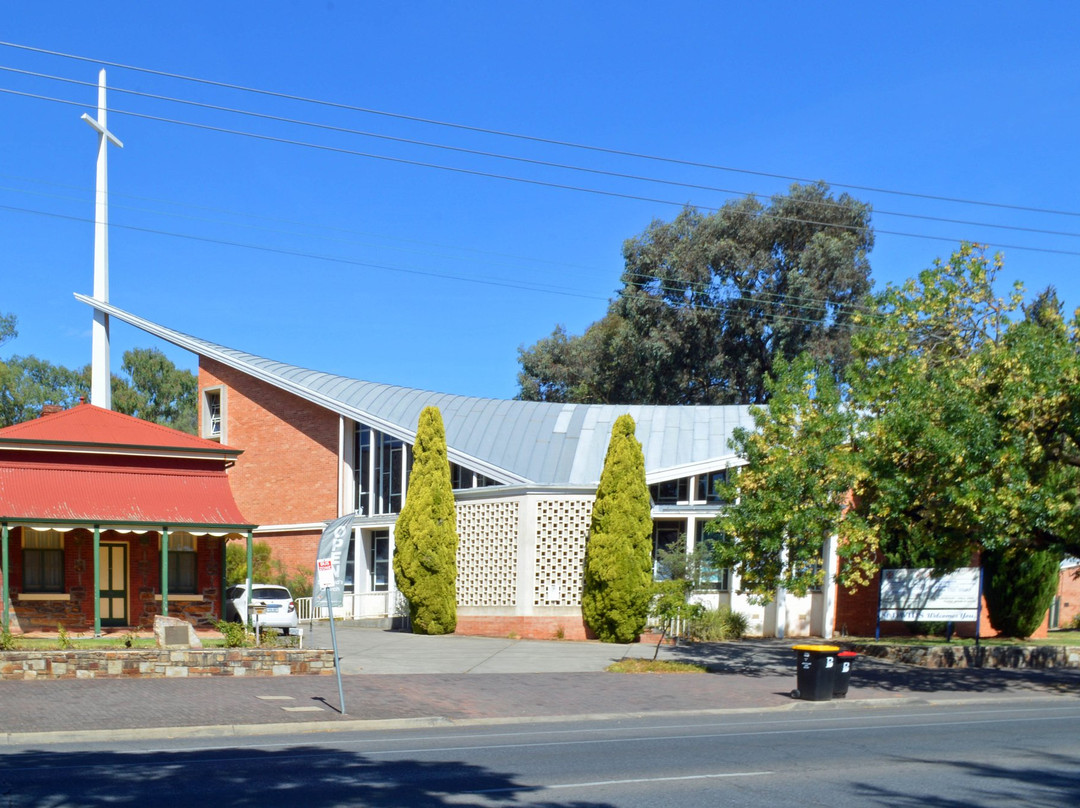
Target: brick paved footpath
[{"x": 308, "y": 701}]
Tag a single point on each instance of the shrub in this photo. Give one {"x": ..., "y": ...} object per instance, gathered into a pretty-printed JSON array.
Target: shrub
[
  {"x": 7, "y": 642},
  {"x": 716, "y": 625},
  {"x": 236, "y": 634},
  {"x": 425, "y": 537},
  {"x": 1019, "y": 585},
  {"x": 63, "y": 639},
  {"x": 618, "y": 554}
]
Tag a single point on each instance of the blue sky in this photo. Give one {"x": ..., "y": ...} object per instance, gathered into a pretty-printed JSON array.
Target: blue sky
[{"x": 344, "y": 261}]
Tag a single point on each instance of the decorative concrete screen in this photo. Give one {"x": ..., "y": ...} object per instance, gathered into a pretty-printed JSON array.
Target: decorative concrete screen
[
  {"x": 487, "y": 553},
  {"x": 562, "y": 526}
]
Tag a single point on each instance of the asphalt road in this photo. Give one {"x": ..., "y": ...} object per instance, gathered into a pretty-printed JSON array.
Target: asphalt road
[{"x": 1011, "y": 752}]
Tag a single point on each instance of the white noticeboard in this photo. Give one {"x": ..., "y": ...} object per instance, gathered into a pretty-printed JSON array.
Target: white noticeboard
[
  {"x": 911, "y": 595},
  {"x": 325, "y": 569}
]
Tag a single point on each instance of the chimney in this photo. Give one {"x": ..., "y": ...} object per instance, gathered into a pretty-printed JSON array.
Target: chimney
[{"x": 50, "y": 409}]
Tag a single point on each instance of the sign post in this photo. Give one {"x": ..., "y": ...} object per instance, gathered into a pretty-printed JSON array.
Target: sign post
[
  {"x": 325, "y": 582},
  {"x": 330, "y": 580}
]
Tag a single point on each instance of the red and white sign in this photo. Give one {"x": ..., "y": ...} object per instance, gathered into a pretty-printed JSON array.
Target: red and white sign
[{"x": 325, "y": 568}]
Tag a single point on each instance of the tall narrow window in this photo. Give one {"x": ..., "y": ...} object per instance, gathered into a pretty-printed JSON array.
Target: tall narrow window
[
  {"x": 43, "y": 561},
  {"x": 213, "y": 414},
  {"x": 362, "y": 475},
  {"x": 183, "y": 564},
  {"x": 380, "y": 560},
  {"x": 711, "y": 576}
]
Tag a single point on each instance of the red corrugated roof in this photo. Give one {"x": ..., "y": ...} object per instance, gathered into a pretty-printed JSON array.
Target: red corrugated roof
[
  {"x": 87, "y": 424},
  {"x": 72, "y": 493}
]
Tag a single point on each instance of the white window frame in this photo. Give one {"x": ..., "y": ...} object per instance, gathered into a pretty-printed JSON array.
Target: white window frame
[{"x": 207, "y": 420}]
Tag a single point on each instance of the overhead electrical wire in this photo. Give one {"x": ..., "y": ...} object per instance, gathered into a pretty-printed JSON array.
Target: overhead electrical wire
[
  {"x": 786, "y": 301},
  {"x": 532, "y": 138},
  {"x": 726, "y": 305},
  {"x": 489, "y": 154},
  {"x": 510, "y": 178}
]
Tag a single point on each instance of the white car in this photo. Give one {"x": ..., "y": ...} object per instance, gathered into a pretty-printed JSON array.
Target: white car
[{"x": 273, "y": 606}]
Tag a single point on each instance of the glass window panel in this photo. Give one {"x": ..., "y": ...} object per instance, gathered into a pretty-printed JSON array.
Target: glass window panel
[
  {"x": 380, "y": 561},
  {"x": 706, "y": 486},
  {"x": 712, "y": 577}
]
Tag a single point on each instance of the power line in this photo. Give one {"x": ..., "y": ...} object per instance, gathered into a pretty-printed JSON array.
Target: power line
[
  {"x": 534, "y": 138},
  {"x": 515, "y": 158},
  {"x": 546, "y": 288},
  {"x": 510, "y": 178}
]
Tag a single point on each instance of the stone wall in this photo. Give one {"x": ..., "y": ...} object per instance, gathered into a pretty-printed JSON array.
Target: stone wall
[
  {"x": 968, "y": 656},
  {"x": 173, "y": 662}
]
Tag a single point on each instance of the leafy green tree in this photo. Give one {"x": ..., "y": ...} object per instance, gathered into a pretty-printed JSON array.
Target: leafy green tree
[
  {"x": 27, "y": 384},
  {"x": 265, "y": 569},
  {"x": 794, "y": 493},
  {"x": 8, "y": 330},
  {"x": 709, "y": 302},
  {"x": 969, "y": 430},
  {"x": 1019, "y": 584},
  {"x": 618, "y": 554},
  {"x": 425, "y": 538},
  {"x": 155, "y": 390}
]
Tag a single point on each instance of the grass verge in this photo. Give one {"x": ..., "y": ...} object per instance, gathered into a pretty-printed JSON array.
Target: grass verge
[
  {"x": 654, "y": 666},
  {"x": 1068, "y": 638}
]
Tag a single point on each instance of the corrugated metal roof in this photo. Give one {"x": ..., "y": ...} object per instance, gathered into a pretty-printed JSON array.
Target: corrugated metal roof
[
  {"x": 89, "y": 425},
  {"x": 510, "y": 441},
  {"x": 73, "y": 492}
]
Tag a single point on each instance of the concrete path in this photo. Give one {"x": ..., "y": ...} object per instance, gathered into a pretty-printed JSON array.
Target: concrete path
[{"x": 400, "y": 680}]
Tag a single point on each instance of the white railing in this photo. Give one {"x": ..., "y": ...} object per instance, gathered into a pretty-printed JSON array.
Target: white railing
[{"x": 353, "y": 607}]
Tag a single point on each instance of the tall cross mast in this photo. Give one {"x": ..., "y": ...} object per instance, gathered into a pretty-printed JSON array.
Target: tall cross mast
[{"x": 100, "y": 380}]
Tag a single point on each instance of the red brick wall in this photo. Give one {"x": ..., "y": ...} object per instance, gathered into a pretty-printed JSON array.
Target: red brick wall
[
  {"x": 525, "y": 628},
  {"x": 1069, "y": 591},
  {"x": 288, "y": 472}
]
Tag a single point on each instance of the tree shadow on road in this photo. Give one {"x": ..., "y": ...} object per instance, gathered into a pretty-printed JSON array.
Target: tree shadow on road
[
  {"x": 1032, "y": 783},
  {"x": 243, "y": 777},
  {"x": 761, "y": 660}
]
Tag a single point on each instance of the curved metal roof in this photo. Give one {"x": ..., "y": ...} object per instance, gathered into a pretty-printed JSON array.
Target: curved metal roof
[{"x": 509, "y": 441}]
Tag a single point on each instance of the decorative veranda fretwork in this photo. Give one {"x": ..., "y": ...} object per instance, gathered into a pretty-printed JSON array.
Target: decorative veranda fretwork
[
  {"x": 487, "y": 553},
  {"x": 562, "y": 525}
]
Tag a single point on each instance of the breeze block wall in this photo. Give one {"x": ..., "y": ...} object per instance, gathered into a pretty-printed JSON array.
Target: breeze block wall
[{"x": 520, "y": 563}]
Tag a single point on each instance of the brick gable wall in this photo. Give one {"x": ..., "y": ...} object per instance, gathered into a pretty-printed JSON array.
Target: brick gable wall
[{"x": 288, "y": 471}]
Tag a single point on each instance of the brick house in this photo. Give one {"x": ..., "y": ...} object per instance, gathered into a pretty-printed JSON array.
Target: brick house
[{"x": 88, "y": 500}]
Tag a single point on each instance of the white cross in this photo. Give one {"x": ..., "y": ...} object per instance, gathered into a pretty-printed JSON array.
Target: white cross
[{"x": 100, "y": 378}]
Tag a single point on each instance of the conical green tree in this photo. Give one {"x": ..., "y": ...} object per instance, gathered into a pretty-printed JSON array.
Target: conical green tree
[
  {"x": 1019, "y": 584},
  {"x": 618, "y": 555},
  {"x": 425, "y": 538}
]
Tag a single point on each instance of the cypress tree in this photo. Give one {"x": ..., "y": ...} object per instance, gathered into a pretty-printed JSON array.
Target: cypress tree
[
  {"x": 1019, "y": 584},
  {"x": 425, "y": 537},
  {"x": 618, "y": 555}
]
